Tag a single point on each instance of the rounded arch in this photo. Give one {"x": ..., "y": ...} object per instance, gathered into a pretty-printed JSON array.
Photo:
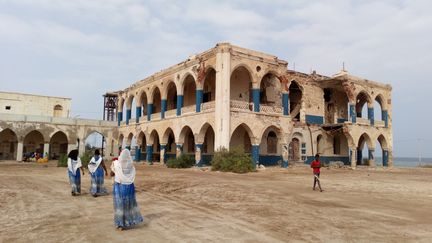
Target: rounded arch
[
  {"x": 295, "y": 99},
  {"x": 379, "y": 106},
  {"x": 89, "y": 132},
  {"x": 242, "y": 137},
  {"x": 187, "y": 138},
  {"x": 8, "y": 144},
  {"x": 188, "y": 86},
  {"x": 363, "y": 100},
  {"x": 34, "y": 142},
  {"x": 209, "y": 85},
  {"x": 154, "y": 141},
  {"x": 129, "y": 139},
  {"x": 154, "y": 137},
  {"x": 245, "y": 66},
  {"x": 383, "y": 142},
  {"x": 241, "y": 85},
  {"x": 365, "y": 138},
  {"x": 156, "y": 99},
  {"x": 58, "y": 145},
  {"x": 58, "y": 110},
  {"x": 270, "y": 90},
  {"x": 270, "y": 140},
  {"x": 142, "y": 101},
  {"x": 121, "y": 142},
  {"x": 171, "y": 95},
  {"x": 166, "y": 135},
  {"x": 202, "y": 132},
  {"x": 129, "y": 101}
]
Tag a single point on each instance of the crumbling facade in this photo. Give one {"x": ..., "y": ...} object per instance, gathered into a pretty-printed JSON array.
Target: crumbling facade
[
  {"x": 33, "y": 123},
  {"x": 230, "y": 97}
]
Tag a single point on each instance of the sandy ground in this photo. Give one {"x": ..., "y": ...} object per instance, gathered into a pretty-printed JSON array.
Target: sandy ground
[{"x": 192, "y": 205}]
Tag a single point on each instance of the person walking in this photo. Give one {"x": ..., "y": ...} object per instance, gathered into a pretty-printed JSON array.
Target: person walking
[
  {"x": 74, "y": 164},
  {"x": 96, "y": 169},
  {"x": 316, "y": 167},
  {"x": 126, "y": 210}
]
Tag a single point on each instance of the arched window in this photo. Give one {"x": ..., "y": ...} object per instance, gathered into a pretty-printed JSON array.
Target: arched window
[
  {"x": 58, "y": 110},
  {"x": 271, "y": 143}
]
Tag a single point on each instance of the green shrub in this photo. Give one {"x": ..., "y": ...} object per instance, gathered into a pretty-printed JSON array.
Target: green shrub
[
  {"x": 62, "y": 161},
  {"x": 86, "y": 157},
  {"x": 235, "y": 160},
  {"x": 182, "y": 161}
]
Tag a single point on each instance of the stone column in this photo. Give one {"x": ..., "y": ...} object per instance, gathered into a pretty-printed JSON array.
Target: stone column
[
  {"x": 199, "y": 99},
  {"x": 150, "y": 153},
  {"x": 198, "y": 154},
  {"x": 255, "y": 154},
  {"x": 81, "y": 147},
  {"x": 179, "y": 149},
  {"x": 149, "y": 111},
  {"x": 71, "y": 147},
  {"x": 371, "y": 158},
  {"x": 222, "y": 101},
  {"x": 128, "y": 116},
  {"x": 285, "y": 103},
  {"x": 164, "y": 106},
  {"x": 46, "y": 149},
  {"x": 19, "y": 156},
  {"x": 163, "y": 153},
  {"x": 179, "y": 104},
  {"x": 256, "y": 99},
  {"x": 384, "y": 114},
  {"x": 353, "y": 156},
  {"x": 138, "y": 113}
]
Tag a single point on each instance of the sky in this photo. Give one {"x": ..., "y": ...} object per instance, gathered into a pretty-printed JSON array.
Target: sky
[{"x": 81, "y": 49}]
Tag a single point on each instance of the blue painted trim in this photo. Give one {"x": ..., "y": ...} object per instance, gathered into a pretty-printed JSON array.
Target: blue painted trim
[
  {"x": 256, "y": 99},
  {"x": 352, "y": 113},
  {"x": 179, "y": 104},
  {"x": 341, "y": 120},
  {"x": 164, "y": 106},
  {"x": 385, "y": 157},
  {"x": 255, "y": 154},
  {"x": 285, "y": 103},
  {"x": 328, "y": 159},
  {"x": 149, "y": 111},
  {"x": 384, "y": 114},
  {"x": 199, "y": 146},
  {"x": 128, "y": 116},
  {"x": 149, "y": 154},
  {"x": 271, "y": 160},
  {"x": 371, "y": 115},
  {"x": 138, "y": 113},
  {"x": 137, "y": 153},
  {"x": 311, "y": 119},
  {"x": 199, "y": 99},
  {"x": 119, "y": 117},
  {"x": 206, "y": 159}
]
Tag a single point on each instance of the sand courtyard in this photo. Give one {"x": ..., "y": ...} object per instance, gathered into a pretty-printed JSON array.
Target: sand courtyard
[{"x": 197, "y": 205}]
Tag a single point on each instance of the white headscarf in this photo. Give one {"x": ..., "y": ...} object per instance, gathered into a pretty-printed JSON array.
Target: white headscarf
[
  {"x": 94, "y": 164},
  {"x": 123, "y": 168},
  {"x": 73, "y": 165}
]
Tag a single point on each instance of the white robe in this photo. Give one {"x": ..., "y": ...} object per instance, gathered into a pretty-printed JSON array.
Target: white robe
[
  {"x": 93, "y": 164},
  {"x": 73, "y": 165}
]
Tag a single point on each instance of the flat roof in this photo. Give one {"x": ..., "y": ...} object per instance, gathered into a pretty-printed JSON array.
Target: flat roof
[{"x": 18, "y": 93}]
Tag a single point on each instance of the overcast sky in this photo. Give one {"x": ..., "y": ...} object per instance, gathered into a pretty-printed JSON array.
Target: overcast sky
[{"x": 82, "y": 49}]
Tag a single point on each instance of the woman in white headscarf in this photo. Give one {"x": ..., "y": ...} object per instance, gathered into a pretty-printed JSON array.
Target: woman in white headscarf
[
  {"x": 126, "y": 210},
  {"x": 74, "y": 164},
  {"x": 96, "y": 169}
]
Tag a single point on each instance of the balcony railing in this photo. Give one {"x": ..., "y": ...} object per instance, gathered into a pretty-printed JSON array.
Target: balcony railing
[
  {"x": 271, "y": 109},
  {"x": 188, "y": 109},
  {"x": 170, "y": 113},
  {"x": 207, "y": 106},
  {"x": 241, "y": 105},
  {"x": 155, "y": 116},
  {"x": 362, "y": 121}
]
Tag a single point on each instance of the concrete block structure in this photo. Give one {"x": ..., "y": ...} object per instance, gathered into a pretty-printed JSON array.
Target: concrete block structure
[{"x": 230, "y": 97}]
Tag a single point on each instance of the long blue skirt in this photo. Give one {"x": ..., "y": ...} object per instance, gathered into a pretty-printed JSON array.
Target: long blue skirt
[
  {"x": 97, "y": 187},
  {"x": 126, "y": 210},
  {"x": 75, "y": 181}
]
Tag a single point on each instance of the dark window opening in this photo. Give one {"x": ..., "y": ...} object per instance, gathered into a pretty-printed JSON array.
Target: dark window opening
[{"x": 8, "y": 107}]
